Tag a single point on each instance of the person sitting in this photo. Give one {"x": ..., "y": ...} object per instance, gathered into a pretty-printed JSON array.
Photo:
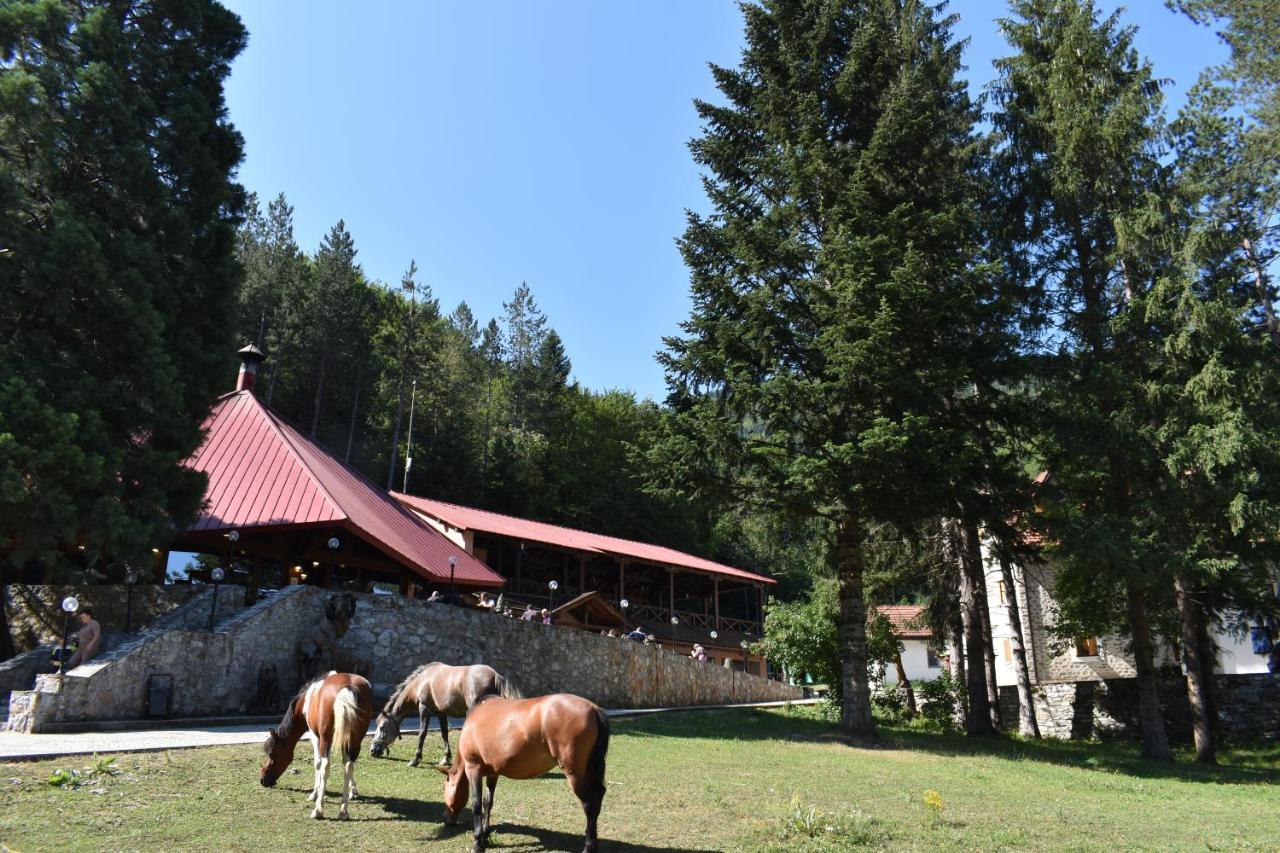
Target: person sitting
[
  {"x": 546, "y": 616},
  {"x": 698, "y": 653},
  {"x": 530, "y": 613},
  {"x": 485, "y": 602},
  {"x": 636, "y": 634},
  {"x": 434, "y": 596},
  {"x": 613, "y": 632},
  {"x": 89, "y": 637}
]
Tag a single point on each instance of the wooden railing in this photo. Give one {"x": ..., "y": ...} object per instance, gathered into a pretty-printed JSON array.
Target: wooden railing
[{"x": 701, "y": 621}]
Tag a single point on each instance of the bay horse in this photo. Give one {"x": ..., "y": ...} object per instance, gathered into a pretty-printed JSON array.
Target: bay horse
[
  {"x": 437, "y": 689},
  {"x": 521, "y": 739},
  {"x": 336, "y": 709}
]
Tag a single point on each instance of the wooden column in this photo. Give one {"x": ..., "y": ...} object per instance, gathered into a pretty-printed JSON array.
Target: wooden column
[
  {"x": 519, "y": 562},
  {"x": 582, "y": 572},
  {"x": 622, "y": 579},
  {"x": 716, "y": 582},
  {"x": 671, "y": 587}
]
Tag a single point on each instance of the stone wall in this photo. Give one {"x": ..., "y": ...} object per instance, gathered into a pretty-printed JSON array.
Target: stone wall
[
  {"x": 36, "y": 619},
  {"x": 1248, "y": 707},
  {"x": 227, "y": 670}
]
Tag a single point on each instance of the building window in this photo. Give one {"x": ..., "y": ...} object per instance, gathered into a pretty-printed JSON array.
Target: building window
[
  {"x": 1008, "y": 652},
  {"x": 1000, "y": 590},
  {"x": 1087, "y": 647},
  {"x": 931, "y": 657},
  {"x": 1260, "y": 638}
]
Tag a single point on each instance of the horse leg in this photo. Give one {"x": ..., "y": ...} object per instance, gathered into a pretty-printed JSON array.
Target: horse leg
[
  {"x": 591, "y": 793},
  {"x": 348, "y": 786},
  {"x": 355, "y": 793},
  {"x": 315, "y": 761},
  {"x": 322, "y": 779},
  {"x": 476, "y": 780},
  {"x": 423, "y": 724},
  {"x": 490, "y": 784},
  {"x": 444, "y": 734}
]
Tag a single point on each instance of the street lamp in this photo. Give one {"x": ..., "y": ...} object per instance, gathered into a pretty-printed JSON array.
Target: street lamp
[
  {"x": 130, "y": 578},
  {"x": 217, "y": 574},
  {"x": 553, "y": 586},
  {"x": 453, "y": 564},
  {"x": 675, "y": 620},
  {"x": 333, "y": 544},
  {"x": 69, "y": 605}
]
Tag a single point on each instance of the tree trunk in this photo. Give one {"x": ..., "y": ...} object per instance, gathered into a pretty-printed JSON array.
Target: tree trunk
[
  {"x": 1155, "y": 742},
  {"x": 957, "y": 667},
  {"x": 855, "y": 710},
  {"x": 395, "y": 439},
  {"x": 1190, "y": 619},
  {"x": 978, "y": 716},
  {"x": 906, "y": 684},
  {"x": 973, "y": 556},
  {"x": 1027, "y": 724},
  {"x": 351, "y": 430}
]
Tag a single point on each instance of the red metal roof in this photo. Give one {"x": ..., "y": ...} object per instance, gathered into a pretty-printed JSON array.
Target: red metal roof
[
  {"x": 907, "y": 620},
  {"x": 264, "y": 473},
  {"x": 469, "y": 518}
]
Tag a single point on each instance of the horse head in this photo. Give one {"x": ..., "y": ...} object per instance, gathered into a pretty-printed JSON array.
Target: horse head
[
  {"x": 388, "y": 730},
  {"x": 456, "y": 791},
  {"x": 279, "y": 756}
]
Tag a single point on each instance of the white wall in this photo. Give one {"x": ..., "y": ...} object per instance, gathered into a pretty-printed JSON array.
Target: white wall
[
  {"x": 915, "y": 662},
  {"x": 1235, "y": 654}
]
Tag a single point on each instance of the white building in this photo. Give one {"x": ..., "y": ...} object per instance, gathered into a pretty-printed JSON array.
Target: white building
[{"x": 921, "y": 660}]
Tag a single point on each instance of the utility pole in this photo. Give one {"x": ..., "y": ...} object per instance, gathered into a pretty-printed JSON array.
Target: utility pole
[{"x": 408, "y": 445}]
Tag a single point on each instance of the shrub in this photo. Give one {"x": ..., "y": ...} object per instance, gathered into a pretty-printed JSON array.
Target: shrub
[{"x": 939, "y": 701}]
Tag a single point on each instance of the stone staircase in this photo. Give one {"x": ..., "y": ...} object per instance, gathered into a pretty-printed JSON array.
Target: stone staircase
[{"x": 19, "y": 673}]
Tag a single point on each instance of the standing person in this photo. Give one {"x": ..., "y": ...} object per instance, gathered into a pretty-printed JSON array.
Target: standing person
[
  {"x": 546, "y": 616},
  {"x": 530, "y": 613},
  {"x": 698, "y": 653},
  {"x": 89, "y": 637}
]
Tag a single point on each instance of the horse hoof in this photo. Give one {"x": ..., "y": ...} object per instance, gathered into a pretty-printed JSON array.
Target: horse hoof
[
  {"x": 342, "y": 815},
  {"x": 317, "y": 814},
  {"x": 413, "y": 763}
]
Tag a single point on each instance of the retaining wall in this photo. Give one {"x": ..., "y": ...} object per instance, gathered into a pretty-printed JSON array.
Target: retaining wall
[
  {"x": 1248, "y": 707},
  {"x": 224, "y": 671}
]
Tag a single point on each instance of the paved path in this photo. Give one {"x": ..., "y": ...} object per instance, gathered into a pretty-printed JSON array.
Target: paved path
[{"x": 15, "y": 745}]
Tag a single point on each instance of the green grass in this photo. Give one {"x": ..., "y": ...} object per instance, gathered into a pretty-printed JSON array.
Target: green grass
[{"x": 724, "y": 780}]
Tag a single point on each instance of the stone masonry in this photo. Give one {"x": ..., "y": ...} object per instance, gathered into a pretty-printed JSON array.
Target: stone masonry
[
  {"x": 224, "y": 671},
  {"x": 1248, "y": 707}
]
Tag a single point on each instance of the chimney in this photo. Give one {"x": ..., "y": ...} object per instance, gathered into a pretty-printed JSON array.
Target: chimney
[{"x": 250, "y": 358}]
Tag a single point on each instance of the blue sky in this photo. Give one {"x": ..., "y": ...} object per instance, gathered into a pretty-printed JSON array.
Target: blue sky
[{"x": 503, "y": 142}]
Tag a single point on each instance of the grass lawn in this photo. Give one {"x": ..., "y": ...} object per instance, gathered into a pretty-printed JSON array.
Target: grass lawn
[{"x": 718, "y": 780}]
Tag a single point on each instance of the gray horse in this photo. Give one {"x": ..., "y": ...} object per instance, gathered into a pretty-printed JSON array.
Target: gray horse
[{"x": 437, "y": 689}]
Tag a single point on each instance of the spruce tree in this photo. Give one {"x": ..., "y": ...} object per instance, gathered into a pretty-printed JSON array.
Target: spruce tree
[
  {"x": 1079, "y": 125},
  {"x": 844, "y": 333},
  {"x": 118, "y": 212}
]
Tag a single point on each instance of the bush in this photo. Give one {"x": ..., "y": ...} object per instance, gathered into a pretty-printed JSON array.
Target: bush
[
  {"x": 889, "y": 705},
  {"x": 939, "y": 701}
]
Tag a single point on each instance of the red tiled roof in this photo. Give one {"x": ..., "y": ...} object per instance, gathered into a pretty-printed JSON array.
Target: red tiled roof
[
  {"x": 469, "y": 518},
  {"x": 264, "y": 473},
  {"x": 907, "y": 620}
]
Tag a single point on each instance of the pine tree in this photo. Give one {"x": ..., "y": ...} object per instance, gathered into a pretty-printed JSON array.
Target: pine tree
[
  {"x": 118, "y": 212},
  {"x": 1079, "y": 126},
  {"x": 841, "y": 316}
]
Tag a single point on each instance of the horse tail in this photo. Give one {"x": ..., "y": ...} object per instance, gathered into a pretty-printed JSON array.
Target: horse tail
[
  {"x": 595, "y": 761},
  {"x": 346, "y": 713},
  {"x": 506, "y": 689}
]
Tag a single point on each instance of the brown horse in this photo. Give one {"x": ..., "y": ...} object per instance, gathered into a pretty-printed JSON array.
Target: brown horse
[
  {"x": 524, "y": 738},
  {"x": 336, "y": 709},
  {"x": 437, "y": 689}
]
